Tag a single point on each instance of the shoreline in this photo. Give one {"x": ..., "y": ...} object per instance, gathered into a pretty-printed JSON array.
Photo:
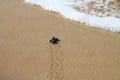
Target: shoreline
[
  {"x": 106, "y": 23},
  {"x": 66, "y": 19}
]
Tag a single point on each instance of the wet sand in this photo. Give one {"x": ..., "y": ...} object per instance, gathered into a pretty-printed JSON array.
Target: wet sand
[{"x": 84, "y": 53}]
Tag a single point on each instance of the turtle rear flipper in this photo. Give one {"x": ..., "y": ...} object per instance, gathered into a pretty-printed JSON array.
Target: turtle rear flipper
[{"x": 50, "y": 41}]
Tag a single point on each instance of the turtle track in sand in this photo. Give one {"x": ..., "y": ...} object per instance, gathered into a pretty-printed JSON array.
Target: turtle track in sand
[{"x": 55, "y": 62}]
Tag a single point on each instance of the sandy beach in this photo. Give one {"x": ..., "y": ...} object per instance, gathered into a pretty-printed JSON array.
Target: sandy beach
[{"x": 84, "y": 53}]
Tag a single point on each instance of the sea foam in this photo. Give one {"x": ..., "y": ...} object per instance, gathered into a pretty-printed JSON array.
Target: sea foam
[{"x": 65, "y": 8}]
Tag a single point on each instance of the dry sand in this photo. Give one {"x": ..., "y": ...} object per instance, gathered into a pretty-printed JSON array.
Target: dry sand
[{"x": 84, "y": 53}]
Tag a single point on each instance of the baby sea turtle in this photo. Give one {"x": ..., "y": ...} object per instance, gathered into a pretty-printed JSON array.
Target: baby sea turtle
[{"x": 54, "y": 40}]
